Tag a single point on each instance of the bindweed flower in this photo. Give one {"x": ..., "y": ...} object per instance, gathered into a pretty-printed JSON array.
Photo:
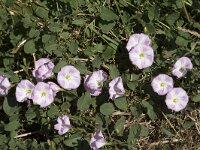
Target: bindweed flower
[
  {"x": 43, "y": 95},
  {"x": 24, "y": 90},
  {"x": 176, "y": 99},
  {"x": 4, "y": 85},
  {"x": 43, "y": 69},
  {"x": 142, "y": 56},
  {"x": 162, "y": 84},
  {"x": 116, "y": 88},
  {"x": 97, "y": 141},
  {"x": 93, "y": 83},
  {"x": 181, "y": 67},
  {"x": 138, "y": 39},
  {"x": 54, "y": 87},
  {"x": 69, "y": 77},
  {"x": 63, "y": 124}
]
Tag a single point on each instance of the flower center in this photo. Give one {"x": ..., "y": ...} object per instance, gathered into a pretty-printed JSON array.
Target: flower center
[
  {"x": 182, "y": 69},
  {"x": 175, "y": 100},
  {"x": 67, "y": 77},
  {"x": 99, "y": 83},
  {"x": 162, "y": 84},
  {"x": 141, "y": 55},
  {"x": 28, "y": 91},
  {"x": 43, "y": 94}
]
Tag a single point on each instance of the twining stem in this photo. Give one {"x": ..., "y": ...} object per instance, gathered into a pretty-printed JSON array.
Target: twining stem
[{"x": 185, "y": 10}]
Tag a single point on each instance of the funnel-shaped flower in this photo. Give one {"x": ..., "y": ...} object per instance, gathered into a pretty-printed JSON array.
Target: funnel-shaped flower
[
  {"x": 162, "y": 84},
  {"x": 138, "y": 39},
  {"x": 97, "y": 141},
  {"x": 69, "y": 77},
  {"x": 177, "y": 99},
  {"x": 116, "y": 88},
  {"x": 24, "y": 90},
  {"x": 93, "y": 83},
  {"x": 43, "y": 69},
  {"x": 142, "y": 56},
  {"x": 181, "y": 67},
  {"x": 54, "y": 87},
  {"x": 43, "y": 95},
  {"x": 63, "y": 124},
  {"x": 4, "y": 85}
]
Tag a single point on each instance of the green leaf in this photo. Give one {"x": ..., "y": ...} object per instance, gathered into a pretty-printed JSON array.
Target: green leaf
[
  {"x": 136, "y": 111},
  {"x": 55, "y": 27},
  {"x": 113, "y": 71},
  {"x": 42, "y": 12},
  {"x": 132, "y": 85},
  {"x": 121, "y": 103},
  {"x": 73, "y": 47},
  {"x": 108, "y": 53},
  {"x": 29, "y": 47},
  {"x": 167, "y": 132},
  {"x": 53, "y": 111},
  {"x": 171, "y": 18},
  {"x": 79, "y": 22},
  {"x": 108, "y": 14},
  {"x": 107, "y": 109},
  {"x": 119, "y": 125},
  {"x": 84, "y": 101},
  {"x": 150, "y": 111},
  {"x": 11, "y": 126},
  {"x": 30, "y": 114},
  {"x": 196, "y": 98},
  {"x": 34, "y": 33},
  {"x": 9, "y": 106},
  {"x": 59, "y": 65},
  {"x": 73, "y": 140},
  {"x": 106, "y": 26},
  {"x": 97, "y": 62},
  {"x": 144, "y": 131},
  {"x": 181, "y": 41},
  {"x": 188, "y": 124}
]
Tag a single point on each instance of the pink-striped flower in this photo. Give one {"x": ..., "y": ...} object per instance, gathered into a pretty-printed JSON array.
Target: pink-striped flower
[
  {"x": 54, "y": 87},
  {"x": 69, "y": 78},
  {"x": 43, "y": 69},
  {"x": 138, "y": 39},
  {"x": 181, "y": 67},
  {"x": 162, "y": 84},
  {"x": 24, "y": 90},
  {"x": 4, "y": 85},
  {"x": 97, "y": 141},
  {"x": 43, "y": 95},
  {"x": 116, "y": 88},
  {"x": 177, "y": 99},
  {"x": 63, "y": 124},
  {"x": 141, "y": 56},
  {"x": 93, "y": 83}
]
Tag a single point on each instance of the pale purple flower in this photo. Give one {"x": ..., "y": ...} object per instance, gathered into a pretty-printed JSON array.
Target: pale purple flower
[
  {"x": 177, "y": 99},
  {"x": 24, "y": 90},
  {"x": 54, "y": 87},
  {"x": 63, "y": 124},
  {"x": 138, "y": 39},
  {"x": 4, "y": 85},
  {"x": 43, "y": 95},
  {"x": 141, "y": 56},
  {"x": 162, "y": 84},
  {"x": 43, "y": 69},
  {"x": 97, "y": 141},
  {"x": 69, "y": 77},
  {"x": 116, "y": 88},
  {"x": 181, "y": 67},
  {"x": 93, "y": 83}
]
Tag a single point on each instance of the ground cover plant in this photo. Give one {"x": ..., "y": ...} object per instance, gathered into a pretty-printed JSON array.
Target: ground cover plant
[{"x": 93, "y": 74}]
